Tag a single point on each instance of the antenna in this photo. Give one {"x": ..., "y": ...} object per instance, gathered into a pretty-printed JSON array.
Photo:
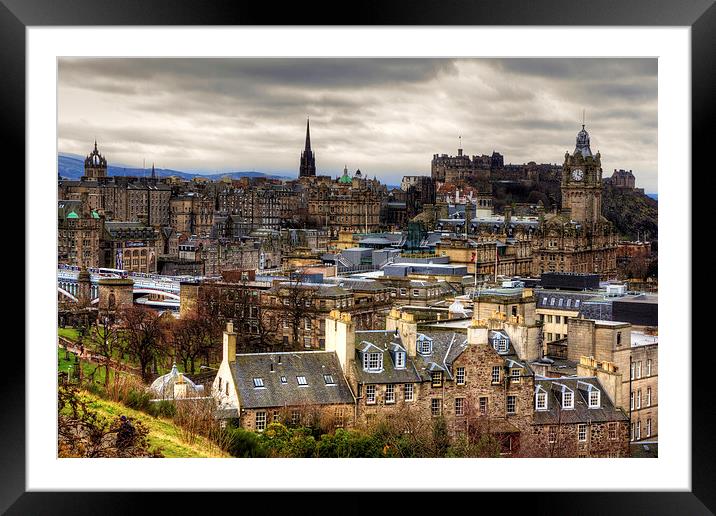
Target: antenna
[{"x": 584, "y": 113}]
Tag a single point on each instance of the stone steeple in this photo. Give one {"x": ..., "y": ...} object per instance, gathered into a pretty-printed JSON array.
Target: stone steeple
[{"x": 308, "y": 159}]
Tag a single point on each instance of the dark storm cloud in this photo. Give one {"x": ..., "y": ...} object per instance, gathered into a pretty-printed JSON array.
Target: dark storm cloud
[{"x": 384, "y": 116}]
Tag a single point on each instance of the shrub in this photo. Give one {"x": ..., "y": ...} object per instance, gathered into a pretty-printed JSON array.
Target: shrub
[
  {"x": 163, "y": 408},
  {"x": 242, "y": 443}
]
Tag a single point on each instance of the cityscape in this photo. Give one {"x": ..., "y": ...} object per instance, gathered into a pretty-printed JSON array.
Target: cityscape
[{"x": 475, "y": 308}]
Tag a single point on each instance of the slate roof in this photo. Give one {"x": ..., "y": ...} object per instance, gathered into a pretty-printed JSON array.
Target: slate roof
[
  {"x": 581, "y": 412},
  {"x": 310, "y": 364},
  {"x": 388, "y": 342}
]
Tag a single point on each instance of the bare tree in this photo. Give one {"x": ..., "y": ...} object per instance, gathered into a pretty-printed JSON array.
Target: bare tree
[
  {"x": 144, "y": 332},
  {"x": 297, "y": 305}
]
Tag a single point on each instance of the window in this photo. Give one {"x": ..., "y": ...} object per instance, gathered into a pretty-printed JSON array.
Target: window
[
  {"x": 435, "y": 407},
  {"x": 648, "y": 427},
  {"x": 552, "y": 434},
  {"x": 638, "y": 399},
  {"x": 496, "y": 374},
  {"x": 515, "y": 378},
  {"x": 372, "y": 361},
  {"x": 276, "y": 416},
  {"x": 437, "y": 378},
  {"x": 295, "y": 417},
  {"x": 460, "y": 376},
  {"x": 549, "y": 318},
  {"x": 328, "y": 378},
  {"x": 425, "y": 346},
  {"x": 582, "y": 432},
  {"x": 459, "y": 406},
  {"x": 632, "y": 432},
  {"x": 541, "y": 401},
  {"x": 511, "y": 404},
  {"x": 370, "y": 394},
  {"x": 619, "y": 338},
  {"x": 306, "y": 342},
  {"x": 301, "y": 380},
  {"x": 227, "y": 388},
  {"x": 567, "y": 399},
  {"x": 390, "y": 393},
  {"x": 416, "y": 292},
  {"x": 399, "y": 359},
  {"x": 612, "y": 431},
  {"x": 283, "y": 380},
  {"x": 483, "y": 406},
  {"x": 631, "y": 400},
  {"x": 638, "y": 430},
  {"x": 594, "y": 396},
  {"x": 260, "y": 421},
  {"x": 638, "y": 369},
  {"x": 408, "y": 391},
  {"x": 633, "y": 369},
  {"x": 648, "y": 367},
  {"x": 258, "y": 382},
  {"x": 308, "y": 324},
  {"x": 648, "y": 396}
]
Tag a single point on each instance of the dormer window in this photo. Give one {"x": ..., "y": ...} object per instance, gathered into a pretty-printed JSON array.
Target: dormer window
[
  {"x": 301, "y": 380},
  {"x": 399, "y": 360},
  {"x": 328, "y": 378},
  {"x": 373, "y": 361},
  {"x": 541, "y": 399},
  {"x": 567, "y": 399},
  {"x": 258, "y": 383},
  {"x": 594, "y": 398},
  {"x": 500, "y": 344},
  {"x": 425, "y": 345}
]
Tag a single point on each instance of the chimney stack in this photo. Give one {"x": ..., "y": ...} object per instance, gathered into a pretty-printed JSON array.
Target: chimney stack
[
  {"x": 341, "y": 337},
  {"x": 229, "y": 349}
]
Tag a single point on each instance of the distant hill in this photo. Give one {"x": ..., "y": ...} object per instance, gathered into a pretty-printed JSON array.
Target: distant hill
[
  {"x": 71, "y": 166},
  {"x": 635, "y": 215},
  {"x": 653, "y": 196}
]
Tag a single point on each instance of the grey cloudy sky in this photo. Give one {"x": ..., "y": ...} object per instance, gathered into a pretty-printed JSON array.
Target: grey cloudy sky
[{"x": 384, "y": 116}]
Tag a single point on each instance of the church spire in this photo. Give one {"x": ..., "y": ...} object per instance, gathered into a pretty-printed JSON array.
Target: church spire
[
  {"x": 307, "y": 166},
  {"x": 308, "y": 135}
]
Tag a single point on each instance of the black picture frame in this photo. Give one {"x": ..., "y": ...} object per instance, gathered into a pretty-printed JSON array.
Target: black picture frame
[{"x": 700, "y": 15}]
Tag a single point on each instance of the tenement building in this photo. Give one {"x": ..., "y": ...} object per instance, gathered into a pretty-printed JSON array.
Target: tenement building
[
  {"x": 79, "y": 230},
  {"x": 351, "y": 204}
]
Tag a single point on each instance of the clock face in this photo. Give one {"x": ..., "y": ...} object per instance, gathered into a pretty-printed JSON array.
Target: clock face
[{"x": 577, "y": 174}]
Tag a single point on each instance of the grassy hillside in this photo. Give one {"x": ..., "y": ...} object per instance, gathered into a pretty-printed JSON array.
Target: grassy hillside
[
  {"x": 163, "y": 434},
  {"x": 634, "y": 214}
]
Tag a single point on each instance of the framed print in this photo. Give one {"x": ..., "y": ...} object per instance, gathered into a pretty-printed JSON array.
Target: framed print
[{"x": 270, "y": 264}]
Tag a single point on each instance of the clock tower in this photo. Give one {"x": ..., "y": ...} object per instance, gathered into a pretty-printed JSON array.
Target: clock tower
[{"x": 582, "y": 183}]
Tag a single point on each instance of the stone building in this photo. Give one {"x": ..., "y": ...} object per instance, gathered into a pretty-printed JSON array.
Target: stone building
[
  {"x": 192, "y": 213},
  {"x": 291, "y": 388},
  {"x": 623, "y": 179},
  {"x": 449, "y": 169},
  {"x": 350, "y": 204},
  {"x": 630, "y": 358},
  {"x": 132, "y": 246},
  {"x": 79, "y": 230},
  {"x": 579, "y": 238},
  {"x": 119, "y": 197},
  {"x": 477, "y": 383}
]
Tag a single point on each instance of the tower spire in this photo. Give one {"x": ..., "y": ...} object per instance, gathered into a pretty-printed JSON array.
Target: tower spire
[{"x": 308, "y": 134}]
